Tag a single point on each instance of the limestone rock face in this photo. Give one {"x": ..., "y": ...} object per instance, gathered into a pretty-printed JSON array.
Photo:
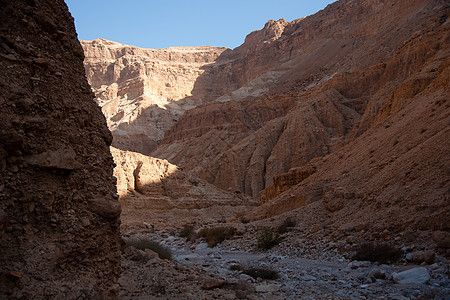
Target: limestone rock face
[
  {"x": 143, "y": 91},
  {"x": 147, "y": 183},
  {"x": 59, "y": 217}
]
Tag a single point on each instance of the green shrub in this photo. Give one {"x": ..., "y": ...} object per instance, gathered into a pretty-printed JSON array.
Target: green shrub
[
  {"x": 267, "y": 240},
  {"x": 215, "y": 235},
  {"x": 382, "y": 253},
  {"x": 143, "y": 243},
  {"x": 262, "y": 273}
]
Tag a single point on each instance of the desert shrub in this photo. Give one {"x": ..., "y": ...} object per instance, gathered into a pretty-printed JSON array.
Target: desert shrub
[
  {"x": 262, "y": 273},
  {"x": 267, "y": 239},
  {"x": 143, "y": 243},
  {"x": 287, "y": 223},
  {"x": 215, "y": 235},
  {"x": 382, "y": 253},
  {"x": 187, "y": 231}
]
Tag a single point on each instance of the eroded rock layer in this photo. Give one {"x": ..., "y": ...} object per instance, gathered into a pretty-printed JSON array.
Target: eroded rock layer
[
  {"x": 336, "y": 69},
  {"x": 148, "y": 183},
  {"x": 143, "y": 91},
  {"x": 59, "y": 217}
]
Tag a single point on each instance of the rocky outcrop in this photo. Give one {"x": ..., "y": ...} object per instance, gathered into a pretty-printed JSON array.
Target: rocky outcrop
[
  {"x": 59, "y": 215},
  {"x": 147, "y": 183},
  {"x": 285, "y": 181}
]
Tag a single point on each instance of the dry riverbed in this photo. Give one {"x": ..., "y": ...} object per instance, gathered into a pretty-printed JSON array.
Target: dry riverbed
[{"x": 197, "y": 271}]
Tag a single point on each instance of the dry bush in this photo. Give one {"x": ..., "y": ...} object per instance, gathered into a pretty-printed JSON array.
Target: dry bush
[
  {"x": 382, "y": 253},
  {"x": 215, "y": 235},
  {"x": 262, "y": 273},
  {"x": 267, "y": 239},
  {"x": 187, "y": 232},
  {"x": 143, "y": 243}
]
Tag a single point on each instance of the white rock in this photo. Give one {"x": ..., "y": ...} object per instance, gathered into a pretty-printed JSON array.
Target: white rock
[
  {"x": 201, "y": 246},
  {"x": 354, "y": 264},
  {"x": 246, "y": 277},
  {"x": 416, "y": 276}
]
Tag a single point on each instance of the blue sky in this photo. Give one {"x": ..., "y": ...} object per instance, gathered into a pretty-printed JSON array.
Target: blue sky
[{"x": 160, "y": 24}]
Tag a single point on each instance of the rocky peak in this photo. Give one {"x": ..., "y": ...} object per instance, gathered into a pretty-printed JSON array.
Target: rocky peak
[{"x": 272, "y": 31}]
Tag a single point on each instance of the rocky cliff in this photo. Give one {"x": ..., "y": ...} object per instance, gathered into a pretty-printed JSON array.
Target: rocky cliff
[
  {"x": 148, "y": 183},
  {"x": 59, "y": 214},
  {"x": 331, "y": 70},
  {"x": 143, "y": 91},
  {"x": 356, "y": 92}
]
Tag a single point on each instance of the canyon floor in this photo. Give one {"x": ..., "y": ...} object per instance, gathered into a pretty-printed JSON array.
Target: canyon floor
[{"x": 311, "y": 263}]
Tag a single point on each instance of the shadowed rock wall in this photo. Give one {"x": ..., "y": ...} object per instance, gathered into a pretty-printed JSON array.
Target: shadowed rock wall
[{"x": 59, "y": 216}]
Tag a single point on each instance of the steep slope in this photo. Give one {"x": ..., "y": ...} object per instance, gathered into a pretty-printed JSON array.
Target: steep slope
[
  {"x": 59, "y": 217},
  {"x": 390, "y": 179}
]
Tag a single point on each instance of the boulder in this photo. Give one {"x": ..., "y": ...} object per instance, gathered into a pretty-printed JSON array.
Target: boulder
[
  {"x": 210, "y": 284},
  {"x": 421, "y": 256},
  {"x": 135, "y": 254},
  {"x": 442, "y": 239},
  {"x": 412, "y": 276}
]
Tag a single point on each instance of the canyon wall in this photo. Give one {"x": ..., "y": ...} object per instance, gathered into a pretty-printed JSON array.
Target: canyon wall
[
  {"x": 143, "y": 91},
  {"x": 328, "y": 114},
  {"x": 59, "y": 213},
  {"x": 329, "y": 72},
  {"x": 148, "y": 183}
]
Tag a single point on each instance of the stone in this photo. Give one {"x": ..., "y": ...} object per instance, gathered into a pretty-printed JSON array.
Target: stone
[
  {"x": 104, "y": 207},
  {"x": 44, "y": 240},
  {"x": 421, "y": 256},
  {"x": 354, "y": 264},
  {"x": 442, "y": 239},
  {"x": 63, "y": 158},
  {"x": 3, "y": 217},
  {"x": 151, "y": 254},
  {"x": 418, "y": 275},
  {"x": 266, "y": 288},
  {"x": 16, "y": 274},
  {"x": 135, "y": 254},
  {"x": 157, "y": 81},
  {"x": 246, "y": 277},
  {"x": 162, "y": 185},
  {"x": 210, "y": 284},
  {"x": 377, "y": 273}
]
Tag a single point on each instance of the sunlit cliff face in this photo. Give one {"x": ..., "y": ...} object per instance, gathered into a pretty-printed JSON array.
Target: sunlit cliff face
[{"x": 129, "y": 80}]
